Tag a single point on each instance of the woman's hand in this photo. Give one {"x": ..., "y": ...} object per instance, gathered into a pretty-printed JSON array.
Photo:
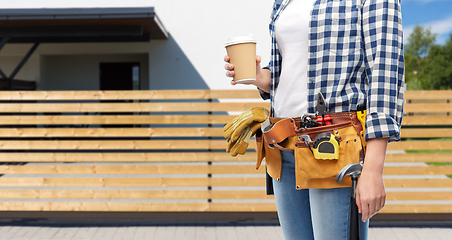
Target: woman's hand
[
  {"x": 262, "y": 75},
  {"x": 370, "y": 191}
]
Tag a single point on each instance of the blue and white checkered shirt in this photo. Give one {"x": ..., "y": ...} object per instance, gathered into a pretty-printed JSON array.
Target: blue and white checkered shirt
[{"x": 355, "y": 57}]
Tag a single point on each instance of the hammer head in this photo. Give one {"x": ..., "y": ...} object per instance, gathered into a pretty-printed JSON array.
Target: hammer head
[{"x": 352, "y": 169}]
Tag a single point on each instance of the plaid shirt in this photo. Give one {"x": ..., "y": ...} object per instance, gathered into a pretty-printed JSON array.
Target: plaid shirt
[{"x": 355, "y": 57}]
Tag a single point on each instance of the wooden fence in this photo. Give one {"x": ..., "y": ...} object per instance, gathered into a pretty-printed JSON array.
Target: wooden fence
[{"x": 152, "y": 151}]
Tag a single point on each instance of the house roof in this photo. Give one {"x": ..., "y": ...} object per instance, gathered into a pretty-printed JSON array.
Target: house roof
[{"x": 59, "y": 25}]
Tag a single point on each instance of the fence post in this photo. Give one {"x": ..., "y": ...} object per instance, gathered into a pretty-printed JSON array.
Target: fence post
[{"x": 209, "y": 150}]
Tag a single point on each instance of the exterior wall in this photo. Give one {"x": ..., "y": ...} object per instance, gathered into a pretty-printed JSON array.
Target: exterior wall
[
  {"x": 30, "y": 71},
  {"x": 192, "y": 58},
  {"x": 81, "y": 72}
]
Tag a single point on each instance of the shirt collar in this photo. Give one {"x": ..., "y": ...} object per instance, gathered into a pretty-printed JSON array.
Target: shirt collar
[{"x": 279, "y": 6}]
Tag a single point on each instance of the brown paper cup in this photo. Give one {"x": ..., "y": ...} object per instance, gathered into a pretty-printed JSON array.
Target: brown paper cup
[{"x": 242, "y": 53}]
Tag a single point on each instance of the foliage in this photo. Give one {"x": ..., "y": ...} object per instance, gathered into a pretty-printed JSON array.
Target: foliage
[
  {"x": 427, "y": 65},
  {"x": 439, "y": 164}
]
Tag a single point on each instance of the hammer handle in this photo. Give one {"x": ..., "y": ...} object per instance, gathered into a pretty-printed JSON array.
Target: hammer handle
[{"x": 354, "y": 221}]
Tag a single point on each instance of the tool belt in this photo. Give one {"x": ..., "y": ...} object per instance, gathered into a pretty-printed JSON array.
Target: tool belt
[{"x": 320, "y": 151}]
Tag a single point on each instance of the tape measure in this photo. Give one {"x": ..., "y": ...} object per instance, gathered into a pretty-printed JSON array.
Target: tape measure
[{"x": 326, "y": 146}]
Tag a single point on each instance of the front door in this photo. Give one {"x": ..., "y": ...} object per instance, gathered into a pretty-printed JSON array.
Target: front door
[{"x": 119, "y": 76}]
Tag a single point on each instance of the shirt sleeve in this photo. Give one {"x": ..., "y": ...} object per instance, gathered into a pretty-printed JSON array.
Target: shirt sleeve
[
  {"x": 264, "y": 95},
  {"x": 383, "y": 52}
]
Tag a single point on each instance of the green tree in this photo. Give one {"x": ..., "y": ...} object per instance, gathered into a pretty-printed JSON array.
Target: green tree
[
  {"x": 439, "y": 66},
  {"x": 416, "y": 52}
]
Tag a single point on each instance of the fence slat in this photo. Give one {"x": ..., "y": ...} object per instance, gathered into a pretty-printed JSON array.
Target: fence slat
[
  {"x": 426, "y": 132},
  {"x": 189, "y": 194},
  {"x": 426, "y": 120},
  {"x": 417, "y": 208},
  {"x": 105, "y": 95},
  {"x": 104, "y": 194},
  {"x": 428, "y": 95},
  {"x": 427, "y": 107},
  {"x": 104, "y": 206},
  {"x": 105, "y": 169},
  {"x": 419, "y": 196},
  {"x": 418, "y": 157},
  {"x": 126, "y": 157},
  {"x": 389, "y": 208},
  {"x": 128, "y": 95},
  {"x": 235, "y": 94},
  {"x": 243, "y": 207},
  {"x": 111, "y": 132},
  {"x": 103, "y": 182},
  {"x": 182, "y": 144},
  {"x": 115, "y": 119},
  {"x": 128, "y": 107},
  {"x": 117, "y": 144},
  {"x": 424, "y": 170},
  {"x": 421, "y": 145},
  {"x": 418, "y": 183},
  {"x": 183, "y": 157}
]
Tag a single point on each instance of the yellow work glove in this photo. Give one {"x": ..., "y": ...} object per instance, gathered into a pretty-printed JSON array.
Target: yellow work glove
[
  {"x": 234, "y": 129},
  {"x": 240, "y": 146}
]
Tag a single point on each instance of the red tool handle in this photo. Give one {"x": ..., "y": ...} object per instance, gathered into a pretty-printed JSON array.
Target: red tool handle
[
  {"x": 324, "y": 120},
  {"x": 319, "y": 119},
  {"x": 327, "y": 119}
]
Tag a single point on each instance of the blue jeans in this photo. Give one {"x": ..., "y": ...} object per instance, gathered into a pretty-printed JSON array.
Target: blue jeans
[{"x": 321, "y": 214}]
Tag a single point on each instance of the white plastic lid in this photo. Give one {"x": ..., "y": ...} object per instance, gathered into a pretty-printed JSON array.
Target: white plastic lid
[{"x": 243, "y": 39}]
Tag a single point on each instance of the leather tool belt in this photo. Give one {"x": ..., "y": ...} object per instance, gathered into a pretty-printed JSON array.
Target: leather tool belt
[{"x": 287, "y": 134}]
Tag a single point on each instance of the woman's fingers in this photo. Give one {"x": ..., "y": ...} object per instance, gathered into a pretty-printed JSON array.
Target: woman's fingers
[
  {"x": 230, "y": 69},
  {"x": 365, "y": 212},
  {"x": 369, "y": 206},
  {"x": 230, "y": 74},
  {"x": 380, "y": 203},
  {"x": 374, "y": 208},
  {"x": 363, "y": 207},
  {"x": 229, "y": 66},
  {"x": 358, "y": 201}
]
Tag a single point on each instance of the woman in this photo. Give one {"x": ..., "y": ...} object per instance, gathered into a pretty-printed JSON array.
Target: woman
[{"x": 351, "y": 51}]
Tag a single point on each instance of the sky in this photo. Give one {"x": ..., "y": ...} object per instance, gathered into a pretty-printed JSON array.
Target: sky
[{"x": 436, "y": 14}]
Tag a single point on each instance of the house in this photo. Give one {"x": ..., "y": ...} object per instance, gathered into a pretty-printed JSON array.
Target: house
[{"x": 104, "y": 45}]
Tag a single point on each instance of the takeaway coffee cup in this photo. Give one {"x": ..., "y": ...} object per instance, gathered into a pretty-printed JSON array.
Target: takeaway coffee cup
[{"x": 242, "y": 53}]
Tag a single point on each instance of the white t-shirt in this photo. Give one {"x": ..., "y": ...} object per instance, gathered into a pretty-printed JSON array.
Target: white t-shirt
[{"x": 292, "y": 36}]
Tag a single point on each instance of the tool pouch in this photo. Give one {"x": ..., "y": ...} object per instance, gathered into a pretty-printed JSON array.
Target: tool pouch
[
  {"x": 320, "y": 173},
  {"x": 283, "y": 135},
  {"x": 272, "y": 157},
  {"x": 260, "y": 149}
]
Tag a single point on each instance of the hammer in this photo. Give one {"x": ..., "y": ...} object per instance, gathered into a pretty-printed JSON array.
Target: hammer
[{"x": 354, "y": 170}]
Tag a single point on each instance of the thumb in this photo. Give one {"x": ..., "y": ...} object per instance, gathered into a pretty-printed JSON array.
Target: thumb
[
  {"x": 258, "y": 65},
  {"x": 258, "y": 59}
]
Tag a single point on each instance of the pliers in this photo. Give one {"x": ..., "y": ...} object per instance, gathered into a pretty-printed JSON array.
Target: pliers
[{"x": 322, "y": 111}]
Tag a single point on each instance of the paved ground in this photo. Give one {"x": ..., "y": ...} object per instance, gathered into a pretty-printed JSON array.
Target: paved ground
[{"x": 162, "y": 230}]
